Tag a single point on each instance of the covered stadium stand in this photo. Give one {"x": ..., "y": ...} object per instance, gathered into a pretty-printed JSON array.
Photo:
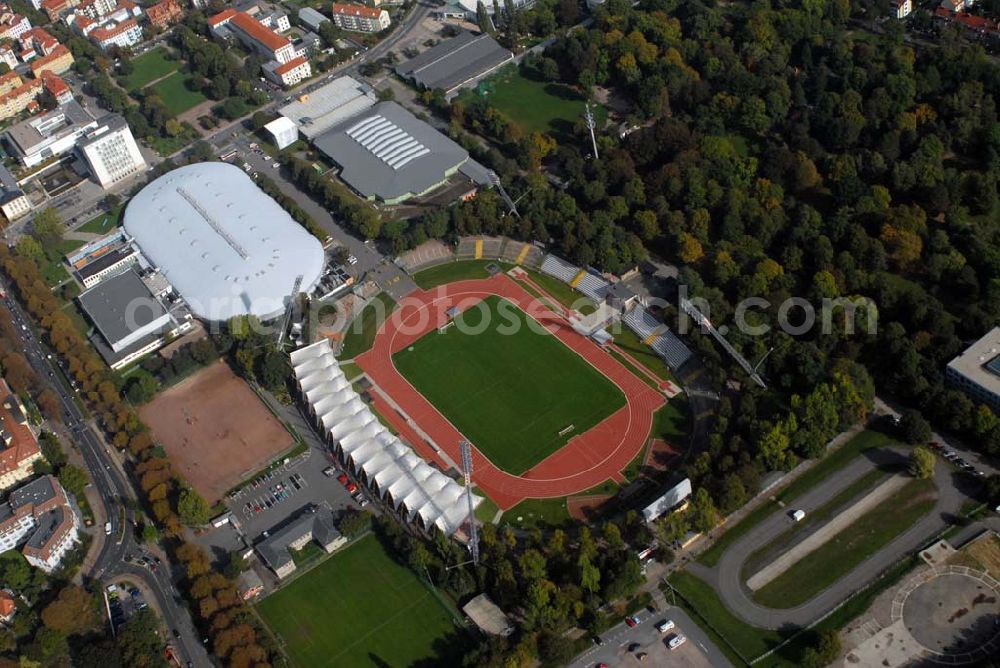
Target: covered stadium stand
[{"x": 389, "y": 467}]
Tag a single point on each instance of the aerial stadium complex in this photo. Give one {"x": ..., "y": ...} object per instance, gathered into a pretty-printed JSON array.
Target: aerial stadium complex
[{"x": 225, "y": 247}]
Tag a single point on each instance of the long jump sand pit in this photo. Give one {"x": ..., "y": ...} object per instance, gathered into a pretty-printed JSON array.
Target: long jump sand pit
[{"x": 215, "y": 430}]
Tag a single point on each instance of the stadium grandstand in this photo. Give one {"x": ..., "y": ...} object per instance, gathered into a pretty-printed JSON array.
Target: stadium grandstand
[
  {"x": 418, "y": 492},
  {"x": 656, "y": 335},
  {"x": 226, "y": 247}
]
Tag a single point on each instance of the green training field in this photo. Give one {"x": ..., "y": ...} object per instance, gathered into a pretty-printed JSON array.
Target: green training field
[
  {"x": 175, "y": 94},
  {"x": 509, "y": 389},
  {"x": 358, "y": 608},
  {"x": 541, "y": 106},
  {"x": 149, "y": 67}
]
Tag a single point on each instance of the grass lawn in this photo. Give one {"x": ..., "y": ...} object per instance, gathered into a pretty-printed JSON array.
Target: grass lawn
[
  {"x": 358, "y": 608},
  {"x": 509, "y": 393},
  {"x": 540, "y": 106},
  {"x": 351, "y": 370},
  {"x": 863, "y": 538},
  {"x": 361, "y": 332},
  {"x": 487, "y": 510},
  {"x": 672, "y": 423},
  {"x": 741, "y": 641},
  {"x": 103, "y": 223},
  {"x": 53, "y": 268},
  {"x": 149, "y": 67},
  {"x": 454, "y": 271},
  {"x": 175, "y": 94},
  {"x": 864, "y": 441},
  {"x": 643, "y": 354},
  {"x": 537, "y": 512},
  {"x": 847, "y": 496}
]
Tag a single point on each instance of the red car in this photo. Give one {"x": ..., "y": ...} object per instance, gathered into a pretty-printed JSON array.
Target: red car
[
  {"x": 342, "y": 478},
  {"x": 632, "y": 620},
  {"x": 351, "y": 488}
]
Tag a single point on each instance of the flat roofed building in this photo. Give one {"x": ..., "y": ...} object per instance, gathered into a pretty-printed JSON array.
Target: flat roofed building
[
  {"x": 488, "y": 616},
  {"x": 283, "y": 131},
  {"x": 312, "y": 19},
  {"x": 124, "y": 310},
  {"x": 388, "y": 154},
  {"x": 226, "y": 247},
  {"x": 110, "y": 151},
  {"x": 977, "y": 370},
  {"x": 53, "y": 133},
  {"x": 454, "y": 62},
  {"x": 316, "y": 112}
]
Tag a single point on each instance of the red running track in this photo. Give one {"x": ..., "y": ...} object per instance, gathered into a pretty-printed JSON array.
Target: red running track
[{"x": 585, "y": 461}]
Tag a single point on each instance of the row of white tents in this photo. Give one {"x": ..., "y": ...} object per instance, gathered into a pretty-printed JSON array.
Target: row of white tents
[{"x": 419, "y": 492}]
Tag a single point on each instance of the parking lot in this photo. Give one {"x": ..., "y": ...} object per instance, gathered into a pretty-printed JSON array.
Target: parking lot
[
  {"x": 270, "y": 499},
  {"x": 644, "y": 644},
  {"x": 123, "y": 603}
]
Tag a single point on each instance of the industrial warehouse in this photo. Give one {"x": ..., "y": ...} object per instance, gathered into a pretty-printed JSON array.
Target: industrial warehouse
[
  {"x": 454, "y": 62},
  {"x": 225, "y": 247},
  {"x": 388, "y": 154}
]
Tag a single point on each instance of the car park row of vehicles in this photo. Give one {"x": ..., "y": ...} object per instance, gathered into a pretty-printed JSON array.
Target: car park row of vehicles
[
  {"x": 273, "y": 494},
  {"x": 957, "y": 460}
]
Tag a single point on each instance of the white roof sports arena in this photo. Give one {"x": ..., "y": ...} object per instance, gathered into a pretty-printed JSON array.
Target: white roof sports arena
[
  {"x": 418, "y": 491},
  {"x": 226, "y": 247}
]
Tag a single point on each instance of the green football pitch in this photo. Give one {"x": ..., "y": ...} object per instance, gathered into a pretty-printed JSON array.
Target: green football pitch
[
  {"x": 358, "y": 608},
  {"x": 508, "y": 388}
]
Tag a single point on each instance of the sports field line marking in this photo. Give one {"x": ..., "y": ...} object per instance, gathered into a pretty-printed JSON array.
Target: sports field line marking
[{"x": 630, "y": 404}]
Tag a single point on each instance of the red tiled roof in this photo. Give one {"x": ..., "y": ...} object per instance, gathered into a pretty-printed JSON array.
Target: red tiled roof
[
  {"x": 41, "y": 63},
  {"x": 356, "y": 10},
  {"x": 290, "y": 65},
  {"x": 164, "y": 12},
  {"x": 7, "y": 605},
  {"x": 102, "y": 34},
  {"x": 10, "y": 76},
  {"x": 23, "y": 444},
  {"x": 222, "y": 17},
  {"x": 83, "y": 22},
  {"x": 52, "y": 6},
  {"x": 258, "y": 32}
]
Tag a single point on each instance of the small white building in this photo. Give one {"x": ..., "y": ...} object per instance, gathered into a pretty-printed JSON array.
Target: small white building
[
  {"x": 284, "y": 131},
  {"x": 288, "y": 74}
]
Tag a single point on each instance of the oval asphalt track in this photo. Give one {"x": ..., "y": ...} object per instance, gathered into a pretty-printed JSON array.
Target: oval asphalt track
[{"x": 726, "y": 577}]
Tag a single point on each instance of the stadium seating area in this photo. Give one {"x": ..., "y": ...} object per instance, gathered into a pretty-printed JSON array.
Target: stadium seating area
[
  {"x": 664, "y": 342},
  {"x": 417, "y": 491},
  {"x": 593, "y": 286},
  {"x": 558, "y": 268}
]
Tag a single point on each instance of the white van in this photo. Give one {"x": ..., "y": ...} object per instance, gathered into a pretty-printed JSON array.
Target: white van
[
  {"x": 798, "y": 515},
  {"x": 107, "y": 528}
]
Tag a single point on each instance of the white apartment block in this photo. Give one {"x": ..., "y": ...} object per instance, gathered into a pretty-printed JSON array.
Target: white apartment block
[
  {"x": 359, "y": 18},
  {"x": 39, "y": 519}
]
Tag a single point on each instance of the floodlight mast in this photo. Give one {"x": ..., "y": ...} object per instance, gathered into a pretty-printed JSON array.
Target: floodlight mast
[
  {"x": 588, "y": 117},
  {"x": 466, "y": 449}
]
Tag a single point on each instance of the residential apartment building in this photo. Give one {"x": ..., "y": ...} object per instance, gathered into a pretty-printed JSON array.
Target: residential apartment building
[
  {"x": 359, "y": 18},
  {"x": 56, "y": 8},
  {"x": 13, "y": 202},
  {"x": 290, "y": 73},
  {"x": 16, "y": 95},
  {"x": 108, "y": 25},
  {"x": 39, "y": 519},
  {"x": 903, "y": 8},
  {"x": 165, "y": 13},
  {"x": 39, "y": 40},
  {"x": 57, "y": 61},
  {"x": 110, "y": 151},
  {"x": 12, "y": 24},
  {"x": 8, "y": 56},
  {"x": 20, "y": 448}
]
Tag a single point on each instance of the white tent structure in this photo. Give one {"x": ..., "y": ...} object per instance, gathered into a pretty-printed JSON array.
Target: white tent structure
[{"x": 417, "y": 491}]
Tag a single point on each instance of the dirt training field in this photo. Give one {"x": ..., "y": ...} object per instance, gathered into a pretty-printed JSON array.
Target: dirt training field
[{"x": 215, "y": 430}]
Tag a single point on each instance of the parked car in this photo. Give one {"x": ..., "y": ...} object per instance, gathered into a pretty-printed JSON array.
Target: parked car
[
  {"x": 632, "y": 620},
  {"x": 343, "y": 479},
  {"x": 107, "y": 528},
  {"x": 351, "y": 488},
  {"x": 664, "y": 625},
  {"x": 676, "y": 641},
  {"x": 329, "y": 471}
]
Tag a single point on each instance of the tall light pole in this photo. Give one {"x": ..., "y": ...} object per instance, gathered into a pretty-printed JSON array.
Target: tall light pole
[{"x": 588, "y": 116}]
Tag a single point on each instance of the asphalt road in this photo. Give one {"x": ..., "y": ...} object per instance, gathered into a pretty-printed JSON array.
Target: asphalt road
[
  {"x": 727, "y": 578},
  {"x": 113, "y": 488}
]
